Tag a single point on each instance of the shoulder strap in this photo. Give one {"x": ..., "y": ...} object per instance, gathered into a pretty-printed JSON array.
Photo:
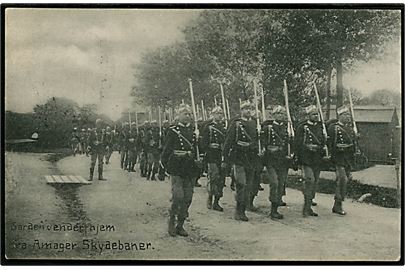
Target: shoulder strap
[{"x": 184, "y": 138}]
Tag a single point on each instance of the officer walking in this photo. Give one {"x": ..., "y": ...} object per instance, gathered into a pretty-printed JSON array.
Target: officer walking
[
  {"x": 213, "y": 138},
  {"x": 240, "y": 152},
  {"x": 96, "y": 147},
  {"x": 275, "y": 140},
  {"x": 179, "y": 159},
  {"x": 310, "y": 154},
  {"x": 342, "y": 146}
]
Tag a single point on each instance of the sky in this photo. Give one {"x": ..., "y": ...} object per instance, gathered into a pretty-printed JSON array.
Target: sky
[{"x": 89, "y": 55}]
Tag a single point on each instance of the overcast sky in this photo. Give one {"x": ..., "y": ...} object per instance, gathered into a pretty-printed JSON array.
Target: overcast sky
[{"x": 77, "y": 53}]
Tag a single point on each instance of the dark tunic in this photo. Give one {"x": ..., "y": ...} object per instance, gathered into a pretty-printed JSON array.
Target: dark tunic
[
  {"x": 241, "y": 146},
  {"x": 97, "y": 141},
  {"x": 212, "y": 141},
  {"x": 309, "y": 144},
  {"x": 341, "y": 144},
  {"x": 275, "y": 140},
  {"x": 179, "y": 151}
]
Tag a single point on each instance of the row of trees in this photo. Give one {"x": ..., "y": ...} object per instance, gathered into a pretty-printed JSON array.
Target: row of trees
[
  {"x": 53, "y": 121},
  {"x": 235, "y": 46}
]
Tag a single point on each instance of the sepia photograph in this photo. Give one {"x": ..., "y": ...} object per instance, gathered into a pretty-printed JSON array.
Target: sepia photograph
[{"x": 202, "y": 133}]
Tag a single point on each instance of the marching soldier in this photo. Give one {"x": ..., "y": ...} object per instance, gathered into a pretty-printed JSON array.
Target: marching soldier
[
  {"x": 165, "y": 129},
  {"x": 152, "y": 150},
  {"x": 240, "y": 151},
  {"x": 75, "y": 141},
  {"x": 213, "y": 138},
  {"x": 342, "y": 146},
  {"x": 132, "y": 148},
  {"x": 109, "y": 141},
  {"x": 123, "y": 140},
  {"x": 275, "y": 139},
  {"x": 179, "y": 159},
  {"x": 143, "y": 158},
  {"x": 309, "y": 146},
  {"x": 96, "y": 147},
  {"x": 83, "y": 141}
]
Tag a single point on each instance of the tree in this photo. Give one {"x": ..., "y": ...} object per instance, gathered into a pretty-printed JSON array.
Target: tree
[{"x": 383, "y": 97}]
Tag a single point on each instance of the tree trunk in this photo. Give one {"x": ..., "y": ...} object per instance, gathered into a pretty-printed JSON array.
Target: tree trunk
[
  {"x": 339, "y": 85},
  {"x": 328, "y": 97}
]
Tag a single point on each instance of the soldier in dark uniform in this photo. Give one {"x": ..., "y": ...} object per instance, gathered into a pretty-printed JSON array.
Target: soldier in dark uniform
[
  {"x": 310, "y": 154},
  {"x": 83, "y": 141},
  {"x": 179, "y": 159},
  {"x": 165, "y": 130},
  {"x": 212, "y": 141},
  {"x": 75, "y": 141},
  {"x": 123, "y": 139},
  {"x": 275, "y": 140},
  {"x": 109, "y": 137},
  {"x": 96, "y": 147},
  {"x": 240, "y": 151},
  {"x": 342, "y": 147},
  {"x": 132, "y": 147},
  {"x": 143, "y": 158},
  {"x": 152, "y": 150}
]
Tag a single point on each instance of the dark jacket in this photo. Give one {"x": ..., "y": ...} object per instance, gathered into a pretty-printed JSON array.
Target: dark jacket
[
  {"x": 179, "y": 151},
  {"x": 310, "y": 144},
  {"x": 212, "y": 141},
  {"x": 97, "y": 141},
  {"x": 275, "y": 140},
  {"x": 341, "y": 144},
  {"x": 241, "y": 145}
]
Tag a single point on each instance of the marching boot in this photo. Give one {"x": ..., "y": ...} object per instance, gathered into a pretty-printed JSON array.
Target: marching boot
[
  {"x": 209, "y": 202},
  {"x": 100, "y": 174},
  {"x": 283, "y": 203},
  {"x": 237, "y": 211},
  {"x": 148, "y": 175},
  {"x": 242, "y": 214},
  {"x": 307, "y": 211},
  {"x": 216, "y": 205},
  {"x": 313, "y": 203},
  {"x": 337, "y": 208},
  {"x": 172, "y": 225},
  {"x": 179, "y": 228},
  {"x": 250, "y": 206},
  {"x": 197, "y": 184},
  {"x": 274, "y": 213},
  {"x": 91, "y": 174}
]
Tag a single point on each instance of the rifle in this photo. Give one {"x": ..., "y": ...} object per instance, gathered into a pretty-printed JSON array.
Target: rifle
[
  {"x": 228, "y": 110},
  {"x": 324, "y": 131},
  {"x": 195, "y": 118},
  {"x": 160, "y": 128},
  {"x": 204, "y": 117},
  {"x": 356, "y": 145},
  {"x": 223, "y": 104},
  {"x": 258, "y": 127},
  {"x": 129, "y": 118},
  {"x": 263, "y": 107},
  {"x": 290, "y": 129},
  {"x": 136, "y": 122}
]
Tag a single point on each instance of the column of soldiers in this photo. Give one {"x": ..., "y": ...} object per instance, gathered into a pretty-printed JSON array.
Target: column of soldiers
[{"x": 239, "y": 149}]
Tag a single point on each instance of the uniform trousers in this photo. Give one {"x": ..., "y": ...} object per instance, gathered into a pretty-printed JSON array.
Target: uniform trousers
[
  {"x": 182, "y": 195},
  {"x": 244, "y": 180},
  {"x": 342, "y": 175},
  {"x": 311, "y": 179},
  {"x": 278, "y": 176},
  {"x": 216, "y": 180}
]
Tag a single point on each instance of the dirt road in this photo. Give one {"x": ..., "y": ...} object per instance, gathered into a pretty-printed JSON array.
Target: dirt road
[{"x": 132, "y": 213}]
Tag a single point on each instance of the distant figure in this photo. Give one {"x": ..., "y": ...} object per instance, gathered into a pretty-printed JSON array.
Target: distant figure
[
  {"x": 75, "y": 141},
  {"x": 96, "y": 147},
  {"x": 109, "y": 137}
]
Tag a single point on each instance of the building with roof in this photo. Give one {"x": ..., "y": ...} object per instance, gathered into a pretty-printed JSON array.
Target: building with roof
[{"x": 380, "y": 131}]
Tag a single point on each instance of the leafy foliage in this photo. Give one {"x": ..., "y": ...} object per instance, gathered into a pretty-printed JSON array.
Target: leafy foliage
[{"x": 236, "y": 46}]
